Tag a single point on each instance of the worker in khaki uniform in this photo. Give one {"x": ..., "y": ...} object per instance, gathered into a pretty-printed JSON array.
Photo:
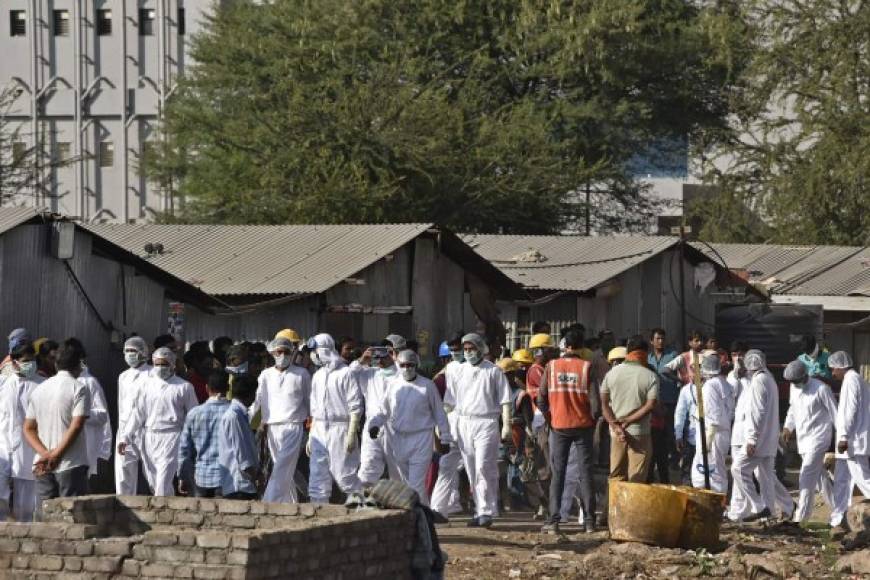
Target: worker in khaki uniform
[
  {"x": 628, "y": 394},
  {"x": 570, "y": 404}
]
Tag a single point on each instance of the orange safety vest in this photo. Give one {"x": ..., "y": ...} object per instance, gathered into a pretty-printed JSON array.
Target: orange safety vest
[{"x": 568, "y": 393}]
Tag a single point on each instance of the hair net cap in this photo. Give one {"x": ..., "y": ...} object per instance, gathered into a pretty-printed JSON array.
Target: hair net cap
[
  {"x": 710, "y": 364},
  {"x": 443, "y": 349},
  {"x": 477, "y": 341},
  {"x": 408, "y": 356},
  {"x": 280, "y": 342},
  {"x": 840, "y": 360},
  {"x": 795, "y": 372},
  {"x": 754, "y": 360},
  {"x": 165, "y": 354},
  {"x": 398, "y": 341},
  {"x": 18, "y": 337},
  {"x": 137, "y": 343},
  {"x": 321, "y": 341}
]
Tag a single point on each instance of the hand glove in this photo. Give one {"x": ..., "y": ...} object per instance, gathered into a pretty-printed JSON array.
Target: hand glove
[
  {"x": 505, "y": 421},
  {"x": 711, "y": 434},
  {"x": 373, "y": 432},
  {"x": 350, "y": 441},
  {"x": 308, "y": 446}
]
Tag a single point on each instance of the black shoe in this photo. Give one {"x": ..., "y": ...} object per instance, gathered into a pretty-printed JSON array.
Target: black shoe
[
  {"x": 484, "y": 521},
  {"x": 763, "y": 514},
  {"x": 473, "y": 523}
]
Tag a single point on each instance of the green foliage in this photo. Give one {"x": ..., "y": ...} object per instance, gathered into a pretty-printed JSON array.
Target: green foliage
[
  {"x": 797, "y": 154},
  {"x": 482, "y": 116}
]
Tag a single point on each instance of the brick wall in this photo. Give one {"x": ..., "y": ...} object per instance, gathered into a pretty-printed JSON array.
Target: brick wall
[{"x": 145, "y": 537}]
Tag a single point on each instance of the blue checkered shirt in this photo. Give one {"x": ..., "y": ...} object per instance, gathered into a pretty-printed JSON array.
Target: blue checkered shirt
[{"x": 200, "y": 444}]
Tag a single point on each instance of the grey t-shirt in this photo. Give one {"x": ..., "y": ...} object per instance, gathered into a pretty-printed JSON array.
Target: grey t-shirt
[
  {"x": 53, "y": 404},
  {"x": 630, "y": 386}
]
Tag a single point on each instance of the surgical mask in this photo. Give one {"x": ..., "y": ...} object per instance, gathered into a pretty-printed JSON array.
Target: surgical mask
[
  {"x": 472, "y": 356},
  {"x": 282, "y": 361},
  {"x": 389, "y": 371},
  {"x": 239, "y": 370},
  {"x": 409, "y": 373},
  {"x": 164, "y": 372},
  {"x": 27, "y": 369},
  {"x": 133, "y": 359},
  {"x": 457, "y": 356}
]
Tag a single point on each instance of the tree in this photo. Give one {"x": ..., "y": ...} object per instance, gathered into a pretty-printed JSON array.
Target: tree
[
  {"x": 482, "y": 116},
  {"x": 26, "y": 165},
  {"x": 796, "y": 154}
]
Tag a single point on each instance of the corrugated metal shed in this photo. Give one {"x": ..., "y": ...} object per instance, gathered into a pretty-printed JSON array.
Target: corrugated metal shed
[
  {"x": 250, "y": 260},
  {"x": 11, "y": 217},
  {"x": 576, "y": 263},
  {"x": 799, "y": 270}
]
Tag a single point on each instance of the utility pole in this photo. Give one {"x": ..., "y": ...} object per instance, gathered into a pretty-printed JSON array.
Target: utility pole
[
  {"x": 588, "y": 209},
  {"x": 682, "y": 230}
]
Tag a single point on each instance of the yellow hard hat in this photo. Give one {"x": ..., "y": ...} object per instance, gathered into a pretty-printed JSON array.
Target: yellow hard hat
[
  {"x": 523, "y": 356},
  {"x": 508, "y": 365},
  {"x": 290, "y": 335},
  {"x": 540, "y": 341},
  {"x": 37, "y": 344},
  {"x": 618, "y": 352}
]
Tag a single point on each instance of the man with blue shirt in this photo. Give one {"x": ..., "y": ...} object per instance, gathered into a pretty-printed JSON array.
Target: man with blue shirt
[
  {"x": 669, "y": 389},
  {"x": 198, "y": 452},
  {"x": 238, "y": 448}
]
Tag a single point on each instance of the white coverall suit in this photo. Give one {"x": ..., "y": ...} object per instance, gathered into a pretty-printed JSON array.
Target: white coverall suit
[
  {"x": 478, "y": 395},
  {"x": 410, "y": 411},
  {"x": 159, "y": 413},
  {"x": 335, "y": 396},
  {"x": 374, "y": 385},
  {"x": 811, "y": 413},
  {"x": 853, "y": 427},
  {"x": 756, "y": 422},
  {"x": 718, "y": 415},
  {"x": 445, "y": 494},
  {"x": 283, "y": 398},
  {"x": 98, "y": 426},
  {"x": 130, "y": 382},
  {"x": 17, "y": 454}
]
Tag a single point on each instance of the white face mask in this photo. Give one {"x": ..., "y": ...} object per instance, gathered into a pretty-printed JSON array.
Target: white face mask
[
  {"x": 132, "y": 359},
  {"x": 282, "y": 361},
  {"x": 164, "y": 373},
  {"x": 409, "y": 373},
  {"x": 389, "y": 371},
  {"x": 457, "y": 356},
  {"x": 27, "y": 369},
  {"x": 472, "y": 356}
]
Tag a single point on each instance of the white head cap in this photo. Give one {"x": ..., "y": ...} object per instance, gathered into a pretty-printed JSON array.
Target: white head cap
[
  {"x": 136, "y": 343},
  {"x": 408, "y": 356},
  {"x": 477, "y": 341},
  {"x": 164, "y": 353},
  {"x": 840, "y": 360},
  {"x": 754, "y": 360},
  {"x": 710, "y": 363}
]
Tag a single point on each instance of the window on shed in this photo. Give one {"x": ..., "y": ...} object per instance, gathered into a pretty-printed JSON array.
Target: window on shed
[
  {"x": 17, "y": 23},
  {"x": 107, "y": 154},
  {"x": 182, "y": 24},
  {"x": 63, "y": 152},
  {"x": 104, "y": 22},
  {"x": 146, "y": 22},
  {"x": 61, "y": 22}
]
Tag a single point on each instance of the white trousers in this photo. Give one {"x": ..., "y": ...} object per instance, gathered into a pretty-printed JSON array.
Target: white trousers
[
  {"x": 24, "y": 499},
  {"x": 813, "y": 477},
  {"x": 285, "y": 443},
  {"x": 330, "y": 460},
  {"x": 478, "y": 442},
  {"x": 126, "y": 469},
  {"x": 445, "y": 494},
  {"x": 848, "y": 473},
  {"x": 717, "y": 452},
  {"x": 745, "y": 500},
  {"x": 411, "y": 453},
  {"x": 374, "y": 457},
  {"x": 160, "y": 460}
]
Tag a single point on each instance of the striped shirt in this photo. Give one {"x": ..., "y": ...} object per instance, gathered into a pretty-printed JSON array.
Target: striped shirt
[{"x": 199, "y": 448}]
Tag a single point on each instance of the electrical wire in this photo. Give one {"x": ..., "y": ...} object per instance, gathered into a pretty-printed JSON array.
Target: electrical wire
[{"x": 512, "y": 264}]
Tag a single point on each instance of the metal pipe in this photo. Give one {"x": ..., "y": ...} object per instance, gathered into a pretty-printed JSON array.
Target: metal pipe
[
  {"x": 161, "y": 72},
  {"x": 125, "y": 185},
  {"x": 34, "y": 103},
  {"x": 77, "y": 56}
]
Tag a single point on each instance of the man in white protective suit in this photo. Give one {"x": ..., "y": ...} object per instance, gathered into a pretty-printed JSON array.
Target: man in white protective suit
[
  {"x": 853, "y": 435},
  {"x": 445, "y": 494},
  {"x": 409, "y": 413},
  {"x": 130, "y": 382},
  {"x": 158, "y": 417},
  {"x": 336, "y": 411},
  {"x": 718, "y": 415},
  {"x": 283, "y": 399},
  {"x": 374, "y": 381},
  {"x": 811, "y": 414},
  {"x": 480, "y": 394},
  {"x": 754, "y": 442}
]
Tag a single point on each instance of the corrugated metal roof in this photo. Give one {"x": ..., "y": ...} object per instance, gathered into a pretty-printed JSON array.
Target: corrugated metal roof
[
  {"x": 799, "y": 270},
  {"x": 11, "y": 217},
  {"x": 234, "y": 260},
  {"x": 577, "y": 263}
]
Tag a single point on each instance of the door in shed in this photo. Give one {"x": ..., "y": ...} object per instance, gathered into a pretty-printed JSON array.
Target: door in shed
[{"x": 775, "y": 329}]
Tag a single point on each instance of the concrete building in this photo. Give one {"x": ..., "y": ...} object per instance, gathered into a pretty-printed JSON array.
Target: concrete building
[{"x": 91, "y": 78}]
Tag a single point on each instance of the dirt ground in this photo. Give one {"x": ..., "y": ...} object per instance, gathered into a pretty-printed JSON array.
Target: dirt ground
[{"x": 515, "y": 548}]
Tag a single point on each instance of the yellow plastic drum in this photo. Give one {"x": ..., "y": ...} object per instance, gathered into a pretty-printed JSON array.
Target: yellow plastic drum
[{"x": 646, "y": 513}]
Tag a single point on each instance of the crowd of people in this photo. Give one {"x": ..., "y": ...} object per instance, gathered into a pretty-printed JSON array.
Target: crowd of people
[{"x": 325, "y": 420}]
